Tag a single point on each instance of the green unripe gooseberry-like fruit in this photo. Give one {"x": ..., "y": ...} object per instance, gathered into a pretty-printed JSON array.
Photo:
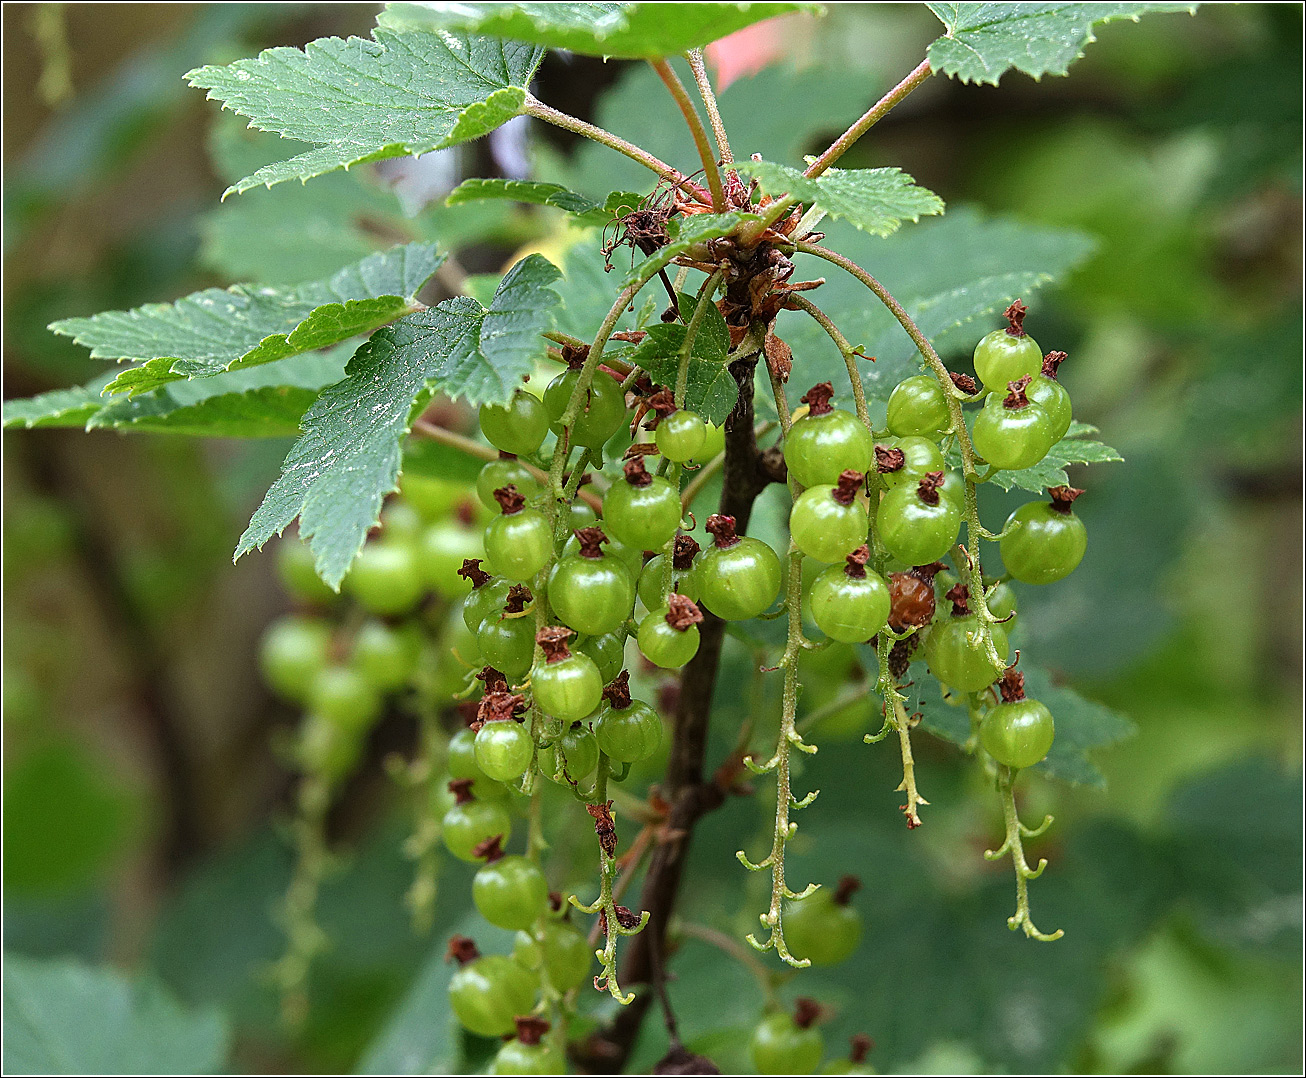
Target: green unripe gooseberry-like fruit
[
  {"x": 681, "y": 436},
  {"x": 905, "y": 460},
  {"x": 1007, "y": 355},
  {"x": 386, "y": 578},
  {"x": 504, "y": 750},
  {"x": 592, "y": 591},
  {"x": 344, "y": 696},
  {"x": 602, "y": 407},
  {"x": 739, "y": 576},
  {"x": 1011, "y": 431},
  {"x": 1051, "y": 396},
  {"x": 489, "y": 992},
  {"x": 918, "y": 525},
  {"x": 1018, "y": 733},
  {"x": 467, "y": 825},
  {"x": 573, "y": 755},
  {"x": 518, "y": 427},
  {"x": 668, "y": 637},
  {"x": 850, "y": 603},
  {"x": 826, "y": 442},
  {"x": 608, "y": 651},
  {"x": 386, "y": 655},
  {"x": 508, "y": 642},
  {"x": 824, "y": 927},
  {"x": 487, "y": 596},
  {"x": 918, "y": 406},
  {"x": 652, "y": 585},
  {"x": 511, "y": 892},
  {"x": 517, "y": 1057},
  {"x": 642, "y": 511},
  {"x": 628, "y": 730},
  {"x": 567, "y": 955},
  {"x": 827, "y": 522},
  {"x": 292, "y": 652},
  {"x": 518, "y": 542},
  {"x": 780, "y": 1046},
  {"x": 565, "y": 684},
  {"x": 505, "y": 472},
  {"x": 956, "y": 657},
  {"x": 296, "y": 566},
  {"x": 1044, "y": 542}
]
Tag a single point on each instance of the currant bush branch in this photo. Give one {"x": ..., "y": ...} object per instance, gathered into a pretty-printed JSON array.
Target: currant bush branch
[
  {"x": 695, "y": 58},
  {"x": 1014, "y": 846},
  {"x": 677, "y": 89}
]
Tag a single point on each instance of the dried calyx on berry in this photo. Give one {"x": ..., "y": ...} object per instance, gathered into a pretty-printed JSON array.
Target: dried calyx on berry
[
  {"x": 928, "y": 488},
  {"x": 661, "y": 404},
  {"x": 847, "y": 887},
  {"x": 1012, "y": 683},
  {"x": 591, "y": 541},
  {"x": 965, "y": 383},
  {"x": 855, "y": 568},
  {"x": 960, "y": 600},
  {"x": 519, "y": 598},
  {"x": 617, "y": 691},
  {"x": 682, "y": 612},
  {"x": 472, "y": 571},
  {"x": 722, "y": 529},
  {"x": 461, "y": 790},
  {"x": 510, "y": 500},
  {"x": 489, "y": 850},
  {"x": 889, "y": 459},
  {"x": 1063, "y": 498},
  {"x": 1016, "y": 398},
  {"x": 807, "y": 1012},
  {"x": 683, "y": 552},
  {"x": 553, "y": 642},
  {"x": 461, "y": 949},
  {"x": 849, "y": 483},
  {"x": 1015, "y": 316},
  {"x": 859, "y": 1047},
  {"x": 530, "y": 1029},
  {"x": 493, "y": 680},
  {"x": 500, "y": 706},
  {"x": 1052, "y": 363},
  {"x": 636, "y": 474},
  {"x": 818, "y": 399}
]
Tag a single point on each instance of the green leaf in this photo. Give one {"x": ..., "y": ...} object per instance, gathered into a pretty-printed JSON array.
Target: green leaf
[
  {"x": 62, "y": 1017},
  {"x": 1074, "y": 448},
  {"x": 628, "y": 31},
  {"x": 357, "y": 100},
  {"x": 686, "y": 233},
  {"x": 1082, "y": 725},
  {"x": 875, "y": 200},
  {"x": 57, "y": 408},
  {"x": 711, "y": 389},
  {"x": 585, "y": 210},
  {"x": 348, "y": 457},
  {"x": 217, "y": 330},
  {"x": 983, "y": 41}
]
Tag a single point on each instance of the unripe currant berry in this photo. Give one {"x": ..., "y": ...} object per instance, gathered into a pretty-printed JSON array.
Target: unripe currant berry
[
  {"x": 517, "y": 427},
  {"x": 487, "y": 596},
  {"x": 1011, "y": 431},
  {"x": 918, "y": 406},
  {"x": 918, "y": 525},
  {"x": 668, "y": 636},
  {"x": 739, "y": 576},
  {"x": 518, "y": 542},
  {"x": 468, "y": 827},
  {"x": 680, "y": 434},
  {"x": 602, "y": 407},
  {"x": 850, "y": 603},
  {"x": 824, "y": 926},
  {"x": 487, "y": 993},
  {"x": 954, "y": 650},
  {"x": 652, "y": 587},
  {"x": 507, "y": 471},
  {"x": 1007, "y": 355},
  {"x": 1044, "y": 541},
  {"x": 642, "y": 510},
  {"x": 566, "y": 685},
  {"x": 905, "y": 460},
  {"x": 386, "y": 578},
  {"x": 592, "y": 591},
  {"x": 1017, "y": 732},
  {"x": 510, "y": 891},
  {"x": 785, "y": 1044},
  {"x": 506, "y": 638},
  {"x": 628, "y": 730},
  {"x": 827, "y": 522},
  {"x": 826, "y": 442}
]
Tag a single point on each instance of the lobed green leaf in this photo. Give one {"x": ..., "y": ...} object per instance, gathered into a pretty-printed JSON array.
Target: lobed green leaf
[
  {"x": 348, "y": 457},
  {"x": 627, "y": 31},
  {"x": 711, "y": 390},
  {"x": 984, "y": 41},
  {"x": 357, "y": 100},
  {"x": 219, "y": 330},
  {"x": 875, "y": 200},
  {"x": 62, "y": 1017},
  {"x": 1074, "y": 448}
]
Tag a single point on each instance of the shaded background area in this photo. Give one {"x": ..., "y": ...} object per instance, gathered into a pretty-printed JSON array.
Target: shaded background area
[{"x": 142, "y": 788}]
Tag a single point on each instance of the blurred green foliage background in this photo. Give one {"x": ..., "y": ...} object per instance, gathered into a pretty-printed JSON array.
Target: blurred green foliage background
[{"x": 141, "y": 790}]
